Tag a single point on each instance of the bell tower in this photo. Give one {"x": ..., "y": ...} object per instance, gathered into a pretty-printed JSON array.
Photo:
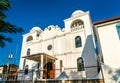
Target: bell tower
[{"x": 79, "y": 25}]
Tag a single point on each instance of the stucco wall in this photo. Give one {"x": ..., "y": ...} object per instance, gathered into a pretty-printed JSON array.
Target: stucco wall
[{"x": 63, "y": 46}]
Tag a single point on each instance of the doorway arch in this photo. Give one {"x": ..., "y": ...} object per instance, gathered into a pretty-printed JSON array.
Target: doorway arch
[{"x": 49, "y": 71}]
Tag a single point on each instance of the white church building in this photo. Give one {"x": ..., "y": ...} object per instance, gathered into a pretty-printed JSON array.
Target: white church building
[{"x": 47, "y": 53}]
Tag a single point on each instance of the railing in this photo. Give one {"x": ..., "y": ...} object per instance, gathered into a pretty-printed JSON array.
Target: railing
[
  {"x": 49, "y": 81},
  {"x": 25, "y": 81},
  {"x": 72, "y": 81},
  {"x": 58, "y": 81},
  {"x": 85, "y": 81}
]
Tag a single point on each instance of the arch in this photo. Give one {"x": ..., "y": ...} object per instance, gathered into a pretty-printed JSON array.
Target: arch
[
  {"x": 29, "y": 38},
  {"x": 80, "y": 64},
  {"x": 28, "y": 51},
  {"x": 77, "y": 25},
  {"x": 78, "y": 42}
]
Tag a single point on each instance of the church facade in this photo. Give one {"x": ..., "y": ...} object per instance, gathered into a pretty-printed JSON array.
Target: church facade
[{"x": 53, "y": 50}]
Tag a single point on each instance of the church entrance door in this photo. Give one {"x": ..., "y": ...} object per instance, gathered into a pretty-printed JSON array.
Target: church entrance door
[{"x": 49, "y": 71}]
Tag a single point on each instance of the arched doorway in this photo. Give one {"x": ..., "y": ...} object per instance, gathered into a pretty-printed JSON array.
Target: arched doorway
[{"x": 49, "y": 71}]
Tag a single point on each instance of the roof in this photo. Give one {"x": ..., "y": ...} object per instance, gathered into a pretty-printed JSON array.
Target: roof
[
  {"x": 106, "y": 20},
  {"x": 36, "y": 28},
  {"x": 77, "y": 13},
  {"x": 36, "y": 57},
  {"x": 63, "y": 75}
]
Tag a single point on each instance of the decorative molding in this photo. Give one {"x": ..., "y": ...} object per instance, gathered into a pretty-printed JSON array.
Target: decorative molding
[{"x": 67, "y": 53}]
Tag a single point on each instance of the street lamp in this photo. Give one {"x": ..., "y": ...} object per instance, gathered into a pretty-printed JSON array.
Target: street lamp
[{"x": 9, "y": 58}]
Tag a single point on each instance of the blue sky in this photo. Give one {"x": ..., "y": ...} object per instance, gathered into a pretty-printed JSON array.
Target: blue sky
[{"x": 29, "y": 13}]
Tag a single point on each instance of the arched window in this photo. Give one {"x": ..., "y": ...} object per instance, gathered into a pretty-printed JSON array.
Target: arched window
[
  {"x": 80, "y": 64},
  {"x": 37, "y": 35},
  {"x": 77, "y": 25},
  {"x": 29, "y": 38},
  {"x": 118, "y": 29},
  {"x": 26, "y": 69},
  {"x": 78, "y": 42},
  {"x": 28, "y": 51}
]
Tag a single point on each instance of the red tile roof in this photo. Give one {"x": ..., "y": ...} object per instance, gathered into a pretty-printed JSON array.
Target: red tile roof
[{"x": 106, "y": 20}]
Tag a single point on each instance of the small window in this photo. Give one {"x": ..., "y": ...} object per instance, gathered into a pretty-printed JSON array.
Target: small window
[
  {"x": 37, "y": 34},
  {"x": 80, "y": 64},
  {"x": 26, "y": 69},
  {"x": 118, "y": 29},
  {"x": 49, "y": 28},
  {"x": 78, "y": 42},
  {"x": 28, "y": 51},
  {"x": 30, "y": 38},
  {"x": 49, "y": 47}
]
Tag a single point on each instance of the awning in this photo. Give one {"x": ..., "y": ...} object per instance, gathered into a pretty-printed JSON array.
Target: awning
[{"x": 37, "y": 57}]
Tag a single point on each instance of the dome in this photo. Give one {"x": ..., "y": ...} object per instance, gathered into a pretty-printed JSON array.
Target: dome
[
  {"x": 77, "y": 12},
  {"x": 36, "y": 28}
]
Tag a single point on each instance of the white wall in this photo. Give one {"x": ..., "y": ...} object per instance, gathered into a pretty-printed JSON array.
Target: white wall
[{"x": 110, "y": 45}]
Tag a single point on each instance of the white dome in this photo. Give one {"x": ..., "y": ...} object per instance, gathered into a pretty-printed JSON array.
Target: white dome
[
  {"x": 36, "y": 28},
  {"x": 77, "y": 12}
]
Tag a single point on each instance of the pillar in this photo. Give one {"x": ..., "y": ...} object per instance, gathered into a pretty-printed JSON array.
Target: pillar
[{"x": 41, "y": 66}]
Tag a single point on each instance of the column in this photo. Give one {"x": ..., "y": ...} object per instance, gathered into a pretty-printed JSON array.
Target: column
[{"x": 41, "y": 67}]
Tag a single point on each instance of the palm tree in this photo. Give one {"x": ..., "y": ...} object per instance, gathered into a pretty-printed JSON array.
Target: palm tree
[{"x": 6, "y": 27}]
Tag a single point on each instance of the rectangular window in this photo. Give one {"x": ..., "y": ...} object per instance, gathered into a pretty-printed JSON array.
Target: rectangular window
[
  {"x": 118, "y": 30},
  {"x": 61, "y": 64}
]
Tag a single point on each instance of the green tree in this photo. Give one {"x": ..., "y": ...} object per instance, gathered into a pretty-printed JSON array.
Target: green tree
[{"x": 6, "y": 27}]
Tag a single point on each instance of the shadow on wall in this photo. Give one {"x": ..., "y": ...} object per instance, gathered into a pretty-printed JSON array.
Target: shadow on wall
[
  {"x": 114, "y": 74},
  {"x": 90, "y": 62},
  {"x": 89, "y": 57}
]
